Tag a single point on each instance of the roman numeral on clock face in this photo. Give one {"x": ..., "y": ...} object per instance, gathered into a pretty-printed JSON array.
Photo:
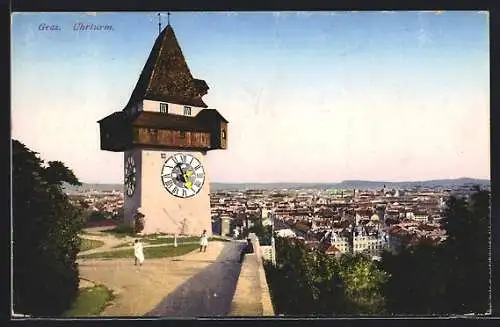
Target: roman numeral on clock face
[
  {"x": 200, "y": 175},
  {"x": 169, "y": 183},
  {"x": 197, "y": 184},
  {"x": 184, "y": 192},
  {"x": 175, "y": 190}
]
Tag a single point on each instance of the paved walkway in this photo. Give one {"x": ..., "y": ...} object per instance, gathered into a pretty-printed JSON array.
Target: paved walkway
[
  {"x": 209, "y": 292},
  {"x": 195, "y": 284}
]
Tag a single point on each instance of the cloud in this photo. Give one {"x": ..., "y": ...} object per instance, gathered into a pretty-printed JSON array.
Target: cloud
[{"x": 91, "y": 13}]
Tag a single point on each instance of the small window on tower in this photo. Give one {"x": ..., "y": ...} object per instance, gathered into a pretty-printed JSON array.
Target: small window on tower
[
  {"x": 164, "y": 108},
  {"x": 223, "y": 134},
  {"x": 187, "y": 111}
]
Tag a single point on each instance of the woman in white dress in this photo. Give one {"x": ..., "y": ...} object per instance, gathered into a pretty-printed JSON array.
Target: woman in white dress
[
  {"x": 139, "y": 253},
  {"x": 204, "y": 241}
]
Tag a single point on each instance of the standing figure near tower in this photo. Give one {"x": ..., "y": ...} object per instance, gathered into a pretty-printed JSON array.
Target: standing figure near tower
[
  {"x": 138, "y": 252},
  {"x": 203, "y": 241}
]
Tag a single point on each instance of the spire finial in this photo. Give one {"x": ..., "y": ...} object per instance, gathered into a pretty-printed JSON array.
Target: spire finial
[
  {"x": 168, "y": 18},
  {"x": 159, "y": 24}
]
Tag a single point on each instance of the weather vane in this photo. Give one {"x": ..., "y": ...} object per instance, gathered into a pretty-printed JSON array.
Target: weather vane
[{"x": 159, "y": 23}]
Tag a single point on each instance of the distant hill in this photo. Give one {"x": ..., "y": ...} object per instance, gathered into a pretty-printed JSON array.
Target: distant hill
[
  {"x": 352, "y": 184},
  {"x": 426, "y": 184},
  {"x": 348, "y": 184}
]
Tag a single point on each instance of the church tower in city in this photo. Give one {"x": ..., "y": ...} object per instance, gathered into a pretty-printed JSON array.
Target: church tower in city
[{"x": 164, "y": 131}]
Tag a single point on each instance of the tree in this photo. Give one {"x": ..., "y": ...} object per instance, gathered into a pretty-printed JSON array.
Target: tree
[
  {"x": 363, "y": 282},
  {"x": 97, "y": 216},
  {"x": 312, "y": 282},
  {"x": 467, "y": 251},
  {"x": 262, "y": 232},
  {"x": 417, "y": 282},
  {"x": 293, "y": 278},
  {"x": 46, "y": 242},
  {"x": 329, "y": 286},
  {"x": 452, "y": 277}
]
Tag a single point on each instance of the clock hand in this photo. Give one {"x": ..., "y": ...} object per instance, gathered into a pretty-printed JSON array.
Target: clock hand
[
  {"x": 182, "y": 173},
  {"x": 188, "y": 183}
]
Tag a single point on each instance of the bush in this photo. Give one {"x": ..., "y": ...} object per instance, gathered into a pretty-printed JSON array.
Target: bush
[
  {"x": 96, "y": 216},
  {"x": 139, "y": 223},
  {"x": 46, "y": 242}
]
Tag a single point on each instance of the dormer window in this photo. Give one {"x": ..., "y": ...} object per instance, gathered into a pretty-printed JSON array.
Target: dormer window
[
  {"x": 187, "y": 111},
  {"x": 164, "y": 108}
]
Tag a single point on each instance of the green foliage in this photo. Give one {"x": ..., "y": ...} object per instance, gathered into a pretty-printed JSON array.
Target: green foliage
[
  {"x": 467, "y": 247},
  {"x": 363, "y": 284},
  {"x": 46, "y": 242},
  {"x": 97, "y": 216},
  {"x": 139, "y": 223},
  {"x": 311, "y": 282},
  {"x": 262, "y": 232},
  {"x": 88, "y": 244},
  {"x": 118, "y": 215},
  {"x": 56, "y": 173},
  {"x": 452, "y": 277},
  {"x": 90, "y": 302},
  {"x": 121, "y": 231}
]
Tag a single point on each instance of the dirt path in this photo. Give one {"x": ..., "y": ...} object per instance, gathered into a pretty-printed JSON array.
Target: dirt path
[
  {"x": 109, "y": 243},
  {"x": 141, "y": 290}
]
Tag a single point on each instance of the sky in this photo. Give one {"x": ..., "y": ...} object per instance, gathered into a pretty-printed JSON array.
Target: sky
[{"x": 310, "y": 96}]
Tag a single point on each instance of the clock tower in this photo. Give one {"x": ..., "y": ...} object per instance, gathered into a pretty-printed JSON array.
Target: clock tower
[{"x": 164, "y": 131}]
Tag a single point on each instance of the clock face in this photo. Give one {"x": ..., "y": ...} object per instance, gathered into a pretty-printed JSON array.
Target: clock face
[
  {"x": 130, "y": 176},
  {"x": 183, "y": 175}
]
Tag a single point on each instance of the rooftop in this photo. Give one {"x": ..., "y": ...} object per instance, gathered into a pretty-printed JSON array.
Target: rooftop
[{"x": 166, "y": 76}]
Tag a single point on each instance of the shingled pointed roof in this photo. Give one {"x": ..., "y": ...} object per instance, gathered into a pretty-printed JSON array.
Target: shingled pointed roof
[{"x": 166, "y": 76}]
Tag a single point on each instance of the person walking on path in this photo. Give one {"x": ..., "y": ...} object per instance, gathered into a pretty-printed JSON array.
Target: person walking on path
[
  {"x": 204, "y": 241},
  {"x": 138, "y": 252}
]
